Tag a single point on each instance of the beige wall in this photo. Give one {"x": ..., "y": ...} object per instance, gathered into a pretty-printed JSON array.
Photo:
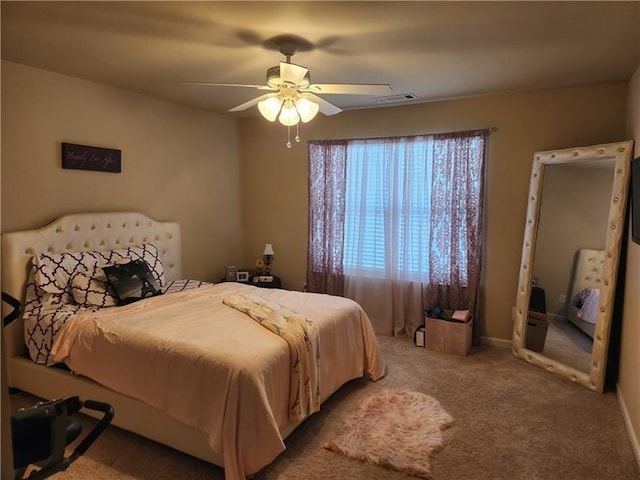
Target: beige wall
[
  {"x": 274, "y": 178},
  {"x": 629, "y": 379},
  {"x": 178, "y": 163}
]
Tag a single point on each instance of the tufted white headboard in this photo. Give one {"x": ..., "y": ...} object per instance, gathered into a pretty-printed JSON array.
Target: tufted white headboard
[
  {"x": 79, "y": 233},
  {"x": 588, "y": 271}
]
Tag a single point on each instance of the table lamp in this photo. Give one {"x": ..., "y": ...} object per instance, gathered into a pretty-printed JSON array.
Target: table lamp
[{"x": 268, "y": 255}]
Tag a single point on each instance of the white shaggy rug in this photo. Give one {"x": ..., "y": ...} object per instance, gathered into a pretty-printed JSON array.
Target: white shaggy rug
[{"x": 398, "y": 429}]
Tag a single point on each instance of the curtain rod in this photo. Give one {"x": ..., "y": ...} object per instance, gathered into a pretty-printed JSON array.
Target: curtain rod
[{"x": 490, "y": 129}]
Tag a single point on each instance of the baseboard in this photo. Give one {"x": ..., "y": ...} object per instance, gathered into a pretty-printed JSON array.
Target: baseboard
[
  {"x": 635, "y": 441},
  {"x": 496, "y": 342}
]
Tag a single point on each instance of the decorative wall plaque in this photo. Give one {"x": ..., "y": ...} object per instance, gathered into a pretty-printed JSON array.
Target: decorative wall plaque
[{"x": 82, "y": 157}]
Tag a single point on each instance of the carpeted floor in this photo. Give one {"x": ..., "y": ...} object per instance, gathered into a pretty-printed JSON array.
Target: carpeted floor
[
  {"x": 567, "y": 344},
  {"x": 512, "y": 421}
]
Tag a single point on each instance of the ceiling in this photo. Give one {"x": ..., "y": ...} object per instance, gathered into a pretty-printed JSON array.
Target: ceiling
[{"x": 434, "y": 50}]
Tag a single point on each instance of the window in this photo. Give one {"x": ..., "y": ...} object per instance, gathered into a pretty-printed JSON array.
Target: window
[{"x": 387, "y": 208}]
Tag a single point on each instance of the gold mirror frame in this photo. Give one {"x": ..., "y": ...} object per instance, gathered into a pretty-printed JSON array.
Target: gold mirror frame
[{"x": 621, "y": 153}]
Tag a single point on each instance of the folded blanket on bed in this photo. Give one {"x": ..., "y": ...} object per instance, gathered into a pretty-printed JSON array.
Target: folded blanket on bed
[{"x": 301, "y": 337}]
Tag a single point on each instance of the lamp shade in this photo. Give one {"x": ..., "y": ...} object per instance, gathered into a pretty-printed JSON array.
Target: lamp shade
[
  {"x": 307, "y": 109},
  {"x": 270, "y": 107},
  {"x": 289, "y": 115},
  {"x": 268, "y": 249}
]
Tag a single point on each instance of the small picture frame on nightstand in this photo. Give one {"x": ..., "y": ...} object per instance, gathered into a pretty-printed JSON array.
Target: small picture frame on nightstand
[{"x": 242, "y": 276}]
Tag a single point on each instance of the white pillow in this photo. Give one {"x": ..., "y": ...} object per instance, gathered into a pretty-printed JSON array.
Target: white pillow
[{"x": 92, "y": 291}]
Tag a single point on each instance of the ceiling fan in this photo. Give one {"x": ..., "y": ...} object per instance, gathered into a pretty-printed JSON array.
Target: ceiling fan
[{"x": 293, "y": 98}]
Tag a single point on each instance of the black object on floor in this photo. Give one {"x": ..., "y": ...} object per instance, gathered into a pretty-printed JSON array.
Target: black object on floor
[{"x": 41, "y": 433}]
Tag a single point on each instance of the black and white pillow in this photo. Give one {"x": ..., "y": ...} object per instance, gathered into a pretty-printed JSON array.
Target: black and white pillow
[
  {"x": 182, "y": 285},
  {"x": 132, "y": 281},
  {"x": 44, "y": 315},
  {"x": 54, "y": 272},
  {"x": 92, "y": 290}
]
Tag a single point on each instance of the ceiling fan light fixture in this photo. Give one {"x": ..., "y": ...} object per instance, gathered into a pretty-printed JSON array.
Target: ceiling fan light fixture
[
  {"x": 306, "y": 109},
  {"x": 289, "y": 114},
  {"x": 270, "y": 107},
  {"x": 293, "y": 99}
]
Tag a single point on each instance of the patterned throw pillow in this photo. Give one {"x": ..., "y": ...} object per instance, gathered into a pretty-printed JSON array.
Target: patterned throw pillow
[
  {"x": 92, "y": 291},
  {"x": 54, "y": 272}
]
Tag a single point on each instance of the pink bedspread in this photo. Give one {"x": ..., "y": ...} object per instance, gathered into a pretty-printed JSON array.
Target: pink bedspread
[{"x": 212, "y": 367}]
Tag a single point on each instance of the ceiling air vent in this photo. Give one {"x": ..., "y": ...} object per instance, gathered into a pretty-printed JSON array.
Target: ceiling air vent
[{"x": 403, "y": 97}]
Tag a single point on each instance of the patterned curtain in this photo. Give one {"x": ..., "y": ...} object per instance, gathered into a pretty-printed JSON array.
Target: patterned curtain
[
  {"x": 456, "y": 222},
  {"x": 449, "y": 251},
  {"x": 327, "y": 177}
]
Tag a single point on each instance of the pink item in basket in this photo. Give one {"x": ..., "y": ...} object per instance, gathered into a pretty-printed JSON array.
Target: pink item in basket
[{"x": 461, "y": 315}]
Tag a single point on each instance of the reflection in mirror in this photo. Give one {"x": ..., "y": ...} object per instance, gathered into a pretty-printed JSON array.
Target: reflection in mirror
[
  {"x": 573, "y": 231},
  {"x": 568, "y": 258}
]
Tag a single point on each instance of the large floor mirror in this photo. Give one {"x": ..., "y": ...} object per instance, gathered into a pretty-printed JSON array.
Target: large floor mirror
[{"x": 570, "y": 256}]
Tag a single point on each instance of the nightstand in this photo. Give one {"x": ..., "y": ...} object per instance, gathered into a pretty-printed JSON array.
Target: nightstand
[
  {"x": 256, "y": 281},
  {"x": 274, "y": 283}
]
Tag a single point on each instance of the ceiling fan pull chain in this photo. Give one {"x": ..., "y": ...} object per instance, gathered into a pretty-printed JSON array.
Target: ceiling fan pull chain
[
  {"x": 297, "y": 138},
  {"x": 288, "y": 136}
]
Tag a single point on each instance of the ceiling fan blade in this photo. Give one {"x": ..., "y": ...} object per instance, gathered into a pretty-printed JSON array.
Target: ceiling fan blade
[
  {"x": 292, "y": 73},
  {"x": 350, "y": 88},
  {"x": 209, "y": 84},
  {"x": 252, "y": 102},
  {"x": 326, "y": 108}
]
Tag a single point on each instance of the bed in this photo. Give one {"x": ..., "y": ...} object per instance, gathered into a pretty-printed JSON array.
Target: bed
[
  {"x": 229, "y": 404},
  {"x": 582, "y": 310}
]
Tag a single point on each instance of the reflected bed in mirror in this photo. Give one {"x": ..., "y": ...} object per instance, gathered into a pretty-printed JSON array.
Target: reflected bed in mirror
[{"x": 570, "y": 256}]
